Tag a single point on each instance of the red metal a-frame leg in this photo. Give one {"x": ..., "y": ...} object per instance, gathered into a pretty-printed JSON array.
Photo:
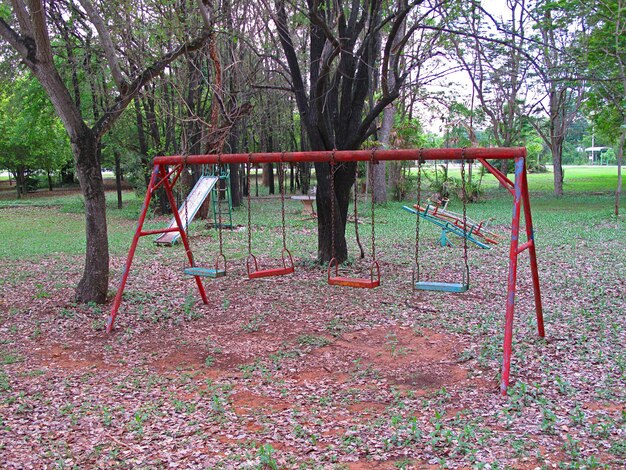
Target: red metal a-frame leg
[
  {"x": 520, "y": 197},
  {"x": 160, "y": 176}
]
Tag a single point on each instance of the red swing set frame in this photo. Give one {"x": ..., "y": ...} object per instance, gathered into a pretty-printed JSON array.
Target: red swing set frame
[{"x": 167, "y": 170}]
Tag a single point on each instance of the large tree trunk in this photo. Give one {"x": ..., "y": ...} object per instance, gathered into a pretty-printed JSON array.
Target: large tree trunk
[
  {"x": 268, "y": 177},
  {"x": 344, "y": 179},
  {"x": 380, "y": 170},
  {"x": 20, "y": 182},
  {"x": 334, "y": 111},
  {"x": 395, "y": 180},
  {"x": 380, "y": 182},
  {"x": 235, "y": 188},
  {"x": 557, "y": 162},
  {"x": 94, "y": 283}
]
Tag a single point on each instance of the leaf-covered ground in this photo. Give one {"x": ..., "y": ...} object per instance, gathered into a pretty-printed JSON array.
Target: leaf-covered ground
[{"x": 292, "y": 373}]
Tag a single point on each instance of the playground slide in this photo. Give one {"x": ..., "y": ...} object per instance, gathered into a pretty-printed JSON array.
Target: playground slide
[{"x": 194, "y": 200}]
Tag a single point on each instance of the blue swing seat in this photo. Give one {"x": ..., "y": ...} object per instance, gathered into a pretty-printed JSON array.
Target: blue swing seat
[
  {"x": 442, "y": 286},
  {"x": 205, "y": 272}
]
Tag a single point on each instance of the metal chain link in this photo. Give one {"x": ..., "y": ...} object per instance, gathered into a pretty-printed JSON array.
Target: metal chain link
[
  {"x": 219, "y": 203},
  {"x": 186, "y": 211},
  {"x": 332, "y": 201},
  {"x": 281, "y": 183},
  {"x": 186, "y": 230},
  {"x": 356, "y": 212},
  {"x": 464, "y": 197},
  {"x": 248, "y": 167},
  {"x": 371, "y": 178},
  {"x": 419, "y": 202}
]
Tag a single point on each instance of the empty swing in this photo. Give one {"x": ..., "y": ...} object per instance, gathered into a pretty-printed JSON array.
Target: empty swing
[
  {"x": 463, "y": 286},
  {"x": 359, "y": 282},
  {"x": 216, "y": 271},
  {"x": 252, "y": 265}
]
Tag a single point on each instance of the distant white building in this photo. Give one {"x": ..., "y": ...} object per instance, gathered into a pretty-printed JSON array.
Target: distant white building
[{"x": 595, "y": 154}]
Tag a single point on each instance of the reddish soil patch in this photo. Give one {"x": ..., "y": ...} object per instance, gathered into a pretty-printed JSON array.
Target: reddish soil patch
[
  {"x": 404, "y": 358},
  {"x": 182, "y": 360},
  {"x": 605, "y": 406},
  {"x": 71, "y": 358},
  {"x": 318, "y": 375},
  {"x": 367, "y": 408},
  {"x": 248, "y": 403},
  {"x": 369, "y": 465}
]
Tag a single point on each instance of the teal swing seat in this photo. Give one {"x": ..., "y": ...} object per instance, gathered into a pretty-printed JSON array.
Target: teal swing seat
[
  {"x": 442, "y": 286},
  {"x": 205, "y": 272},
  {"x": 451, "y": 287},
  {"x": 213, "y": 272}
]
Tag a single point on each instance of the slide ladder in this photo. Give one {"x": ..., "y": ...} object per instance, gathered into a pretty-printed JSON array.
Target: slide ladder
[{"x": 222, "y": 210}]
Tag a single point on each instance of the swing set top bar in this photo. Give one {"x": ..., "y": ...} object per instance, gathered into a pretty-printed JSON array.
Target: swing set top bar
[{"x": 348, "y": 156}]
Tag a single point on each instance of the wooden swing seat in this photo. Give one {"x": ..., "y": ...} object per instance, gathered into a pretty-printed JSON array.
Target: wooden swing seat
[
  {"x": 359, "y": 282},
  {"x": 205, "y": 272},
  {"x": 271, "y": 272},
  {"x": 442, "y": 286}
]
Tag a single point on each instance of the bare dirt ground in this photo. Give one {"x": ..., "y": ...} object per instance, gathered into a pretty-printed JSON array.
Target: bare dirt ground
[{"x": 292, "y": 373}]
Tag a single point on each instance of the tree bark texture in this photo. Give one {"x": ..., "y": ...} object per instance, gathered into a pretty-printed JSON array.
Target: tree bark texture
[
  {"x": 557, "y": 161},
  {"x": 235, "y": 187},
  {"x": 384, "y": 137},
  {"x": 94, "y": 283},
  {"x": 344, "y": 179},
  {"x": 343, "y": 49}
]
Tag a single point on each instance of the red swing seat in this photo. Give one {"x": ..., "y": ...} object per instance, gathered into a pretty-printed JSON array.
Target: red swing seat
[
  {"x": 358, "y": 282},
  {"x": 256, "y": 273}
]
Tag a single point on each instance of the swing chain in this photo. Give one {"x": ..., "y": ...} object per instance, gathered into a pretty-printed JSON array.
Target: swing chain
[
  {"x": 185, "y": 197},
  {"x": 281, "y": 182},
  {"x": 332, "y": 201},
  {"x": 371, "y": 182},
  {"x": 219, "y": 202},
  {"x": 356, "y": 211},
  {"x": 189, "y": 254},
  {"x": 464, "y": 197},
  {"x": 248, "y": 167},
  {"x": 419, "y": 202}
]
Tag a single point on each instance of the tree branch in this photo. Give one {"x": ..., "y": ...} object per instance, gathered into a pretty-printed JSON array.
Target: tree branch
[
  {"x": 204, "y": 12},
  {"x": 107, "y": 45},
  {"x": 43, "y": 52},
  {"x": 280, "y": 19},
  {"x": 110, "y": 116},
  {"x": 23, "y": 19},
  {"x": 24, "y": 46}
]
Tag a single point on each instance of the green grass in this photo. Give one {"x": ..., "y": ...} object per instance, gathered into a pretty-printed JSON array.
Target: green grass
[
  {"x": 56, "y": 224},
  {"x": 45, "y": 226},
  {"x": 576, "y": 179}
]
